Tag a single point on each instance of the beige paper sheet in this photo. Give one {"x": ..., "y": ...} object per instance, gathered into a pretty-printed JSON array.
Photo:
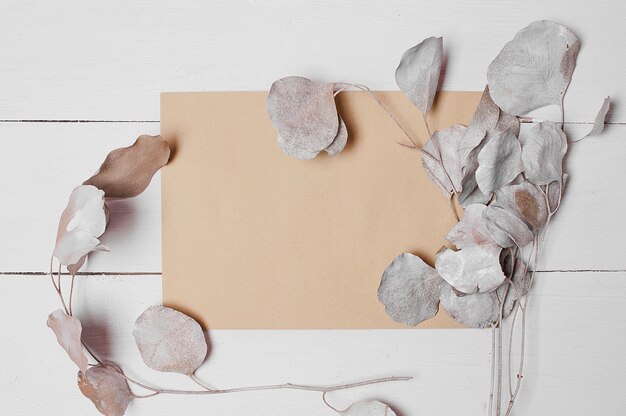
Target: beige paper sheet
[{"x": 254, "y": 239}]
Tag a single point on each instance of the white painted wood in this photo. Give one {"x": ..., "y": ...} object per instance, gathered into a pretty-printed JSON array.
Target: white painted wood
[
  {"x": 80, "y": 60},
  {"x": 575, "y": 362},
  {"x": 51, "y": 158}
]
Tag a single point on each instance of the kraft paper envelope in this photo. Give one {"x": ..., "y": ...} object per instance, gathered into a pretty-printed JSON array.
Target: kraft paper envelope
[{"x": 255, "y": 239}]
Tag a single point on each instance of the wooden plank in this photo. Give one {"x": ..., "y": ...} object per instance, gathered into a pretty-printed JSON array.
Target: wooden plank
[
  {"x": 76, "y": 60},
  {"x": 51, "y": 158},
  {"x": 573, "y": 356}
]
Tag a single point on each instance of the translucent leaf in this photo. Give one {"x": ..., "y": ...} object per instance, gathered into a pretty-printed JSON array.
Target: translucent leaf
[
  {"x": 340, "y": 140},
  {"x": 471, "y": 269},
  {"x": 68, "y": 331},
  {"x": 525, "y": 201},
  {"x": 543, "y": 153},
  {"x": 409, "y": 289},
  {"x": 169, "y": 340},
  {"x": 471, "y": 230},
  {"x": 81, "y": 223},
  {"x": 499, "y": 161},
  {"x": 368, "y": 408},
  {"x": 506, "y": 228},
  {"x": 418, "y": 72},
  {"x": 485, "y": 118},
  {"x": 127, "y": 171},
  {"x": 106, "y": 388},
  {"x": 534, "y": 69},
  {"x": 304, "y": 113},
  {"x": 445, "y": 168}
]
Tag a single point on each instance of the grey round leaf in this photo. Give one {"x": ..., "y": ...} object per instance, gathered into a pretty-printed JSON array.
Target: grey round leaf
[
  {"x": 169, "y": 340},
  {"x": 409, "y": 289},
  {"x": 543, "y": 153},
  {"x": 471, "y": 269}
]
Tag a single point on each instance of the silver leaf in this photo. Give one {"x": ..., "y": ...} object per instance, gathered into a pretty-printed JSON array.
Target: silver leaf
[
  {"x": 340, "y": 140},
  {"x": 506, "y": 228},
  {"x": 418, "y": 72},
  {"x": 471, "y": 269},
  {"x": 543, "y": 153},
  {"x": 471, "y": 230},
  {"x": 409, "y": 289},
  {"x": 445, "y": 168},
  {"x": 534, "y": 69},
  {"x": 368, "y": 408},
  {"x": 499, "y": 161}
]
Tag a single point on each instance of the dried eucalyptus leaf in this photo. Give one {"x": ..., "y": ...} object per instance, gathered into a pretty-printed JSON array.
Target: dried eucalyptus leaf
[
  {"x": 598, "y": 124},
  {"x": 409, "y": 289},
  {"x": 485, "y": 118},
  {"x": 525, "y": 201},
  {"x": 470, "y": 192},
  {"x": 543, "y": 153},
  {"x": 445, "y": 168},
  {"x": 534, "y": 69},
  {"x": 169, "y": 340},
  {"x": 471, "y": 269},
  {"x": 81, "y": 223},
  {"x": 340, "y": 140},
  {"x": 508, "y": 122},
  {"x": 471, "y": 230},
  {"x": 418, "y": 72},
  {"x": 478, "y": 310},
  {"x": 127, "y": 171},
  {"x": 499, "y": 161},
  {"x": 368, "y": 408},
  {"x": 304, "y": 113},
  {"x": 295, "y": 151},
  {"x": 105, "y": 386},
  {"x": 554, "y": 190},
  {"x": 506, "y": 228},
  {"x": 68, "y": 331}
]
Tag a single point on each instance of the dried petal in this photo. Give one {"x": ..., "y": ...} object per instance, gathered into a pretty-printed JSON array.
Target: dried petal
[
  {"x": 340, "y": 140},
  {"x": 81, "y": 223},
  {"x": 543, "y": 153},
  {"x": 534, "y": 69},
  {"x": 418, "y": 72},
  {"x": 127, "y": 171},
  {"x": 368, "y": 408},
  {"x": 506, "y": 228},
  {"x": 409, "y": 289},
  {"x": 105, "y": 386},
  {"x": 169, "y": 340},
  {"x": 445, "y": 168},
  {"x": 68, "y": 331},
  {"x": 499, "y": 162},
  {"x": 304, "y": 113},
  {"x": 471, "y": 230},
  {"x": 471, "y": 269}
]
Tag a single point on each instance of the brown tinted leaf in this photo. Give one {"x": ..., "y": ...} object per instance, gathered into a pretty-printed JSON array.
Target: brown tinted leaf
[
  {"x": 534, "y": 69},
  {"x": 127, "y": 171},
  {"x": 543, "y": 153},
  {"x": 471, "y": 230},
  {"x": 409, "y": 289},
  {"x": 304, "y": 113},
  {"x": 368, "y": 408},
  {"x": 106, "y": 388},
  {"x": 418, "y": 72},
  {"x": 525, "y": 201},
  {"x": 445, "y": 169},
  {"x": 499, "y": 161},
  {"x": 169, "y": 340},
  {"x": 471, "y": 269},
  {"x": 81, "y": 223},
  {"x": 68, "y": 331}
]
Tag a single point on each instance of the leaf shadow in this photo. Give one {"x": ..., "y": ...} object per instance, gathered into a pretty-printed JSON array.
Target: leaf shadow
[{"x": 123, "y": 217}]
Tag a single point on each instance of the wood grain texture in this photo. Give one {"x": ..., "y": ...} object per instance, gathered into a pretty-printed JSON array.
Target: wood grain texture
[
  {"x": 75, "y": 60},
  {"x": 109, "y": 61},
  {"x": 572, "y": 368}
]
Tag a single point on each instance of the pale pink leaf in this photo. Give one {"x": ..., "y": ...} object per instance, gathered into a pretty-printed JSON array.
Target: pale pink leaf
[
  {"x": 68, "y": 331},
  {"x": 105, "y": 386}
]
